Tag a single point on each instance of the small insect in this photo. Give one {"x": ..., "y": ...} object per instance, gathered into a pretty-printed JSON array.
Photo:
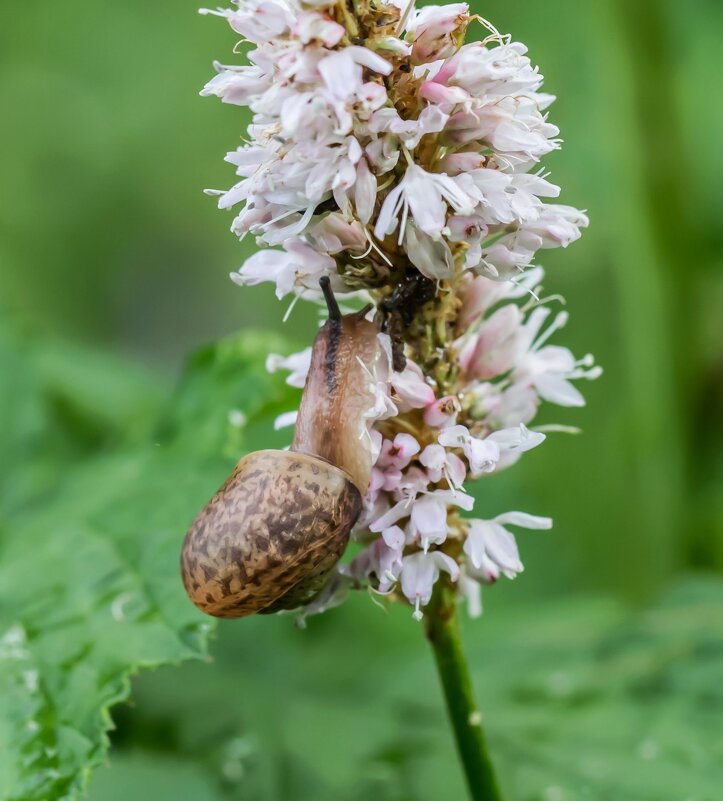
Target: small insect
[{"x": 399, "y": 308}]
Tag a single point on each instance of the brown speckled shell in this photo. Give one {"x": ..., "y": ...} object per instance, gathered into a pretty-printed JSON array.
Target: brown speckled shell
[{"x": 270, "y": 535}]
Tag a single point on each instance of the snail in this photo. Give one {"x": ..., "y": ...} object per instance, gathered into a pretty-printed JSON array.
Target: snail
[{"x": 267, "y": 540}]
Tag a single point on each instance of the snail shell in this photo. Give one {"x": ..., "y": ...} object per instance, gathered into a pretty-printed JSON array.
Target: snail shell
[{"x": 268, "y": 538}]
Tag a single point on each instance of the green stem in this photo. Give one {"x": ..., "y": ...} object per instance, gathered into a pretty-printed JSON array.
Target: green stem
[{"x": 443, "y": 634}]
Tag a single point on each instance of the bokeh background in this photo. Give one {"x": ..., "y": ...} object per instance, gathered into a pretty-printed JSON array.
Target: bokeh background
[{"x": 107, "y": 241}]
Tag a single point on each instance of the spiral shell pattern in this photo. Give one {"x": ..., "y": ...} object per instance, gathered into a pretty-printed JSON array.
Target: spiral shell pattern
[{"x": 270, "y": 535}]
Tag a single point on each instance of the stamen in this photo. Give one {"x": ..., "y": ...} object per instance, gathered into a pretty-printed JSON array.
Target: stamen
[
  {"x": 403, "y": 222},
  {"x": 558, "y": 429},
  {"x": 452, "y": 486},
  {"x": 496, "y": 35},
  {"x": 378, "y": 250},
  {"x": 559, "y": 322},
  {"x": 387, "y": 183},
  {"x": 362, "y": 255},
  {"x": 291, "y": 308},
  {"x": 403, "y": 19},
  {"x": 280, "y": 217}
]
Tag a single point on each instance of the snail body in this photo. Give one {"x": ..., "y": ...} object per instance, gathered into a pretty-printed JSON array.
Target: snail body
[{"x": 269, "y": 537}]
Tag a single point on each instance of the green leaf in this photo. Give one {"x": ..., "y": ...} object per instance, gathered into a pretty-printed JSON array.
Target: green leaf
[
  {"x": 89, "y": 585},
  {"x": 583, "y": 699},
  {"x": 61, "y": 403}
]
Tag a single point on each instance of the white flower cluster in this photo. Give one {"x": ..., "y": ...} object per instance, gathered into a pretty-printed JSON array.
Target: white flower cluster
[
  {"x": 382, "y": 147},
  {"x": 412, "y": 145}
]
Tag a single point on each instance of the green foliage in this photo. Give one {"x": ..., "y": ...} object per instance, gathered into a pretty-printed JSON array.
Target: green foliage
[
  {"x": 582, "y": 699},
  {"x": 60, "y": 403},
  {"x": 89, "y": 586}
]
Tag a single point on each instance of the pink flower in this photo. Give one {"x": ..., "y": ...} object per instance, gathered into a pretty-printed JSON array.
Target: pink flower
[
  {"x": 550, "y": 368},
  {"x": 495, "y": 348},
  {"x": 508, "y": 406},
  {"x": 496, "y": 451},
  {"x": 503, "y": 70},
  {"x": 389, "y": 557},
  {"x": 412, "y": 483},
  {"x": 559, "y": 225},
  {"x": 443, "y": 412},
  {"x": 482, "y": 454},
  {"x": 432, "y": 257},
  {"x": 420, "y": 571},
  {"x": 404, "y": 508},
  {"x": 394, "y": 456},
  {"x": 335, "y": 234},
  {"x": 425, "y": 196},
  {"x": 311, "y": 25},
  {"x": 399, "y": 452},
  {"x": 428, "y": 521},
  {"x": 383, "y": 558},
  {"x": 257, "y": 20},
  {"x": 387, "y": 480},
  {"x": 342, "y": 74},
  {"x": 297, "y": 266},
  {"x": 430, "y": 120},
  {"x": 470, "y": 591},
  {"x": 492, "y": 550},
  {"x": 411, "y": 388},
  {"x": 365, "y": 191},
  {"x": 437, "y": 31},
  {"x": 297, "y": 363},
  {"x": 445, "y": 97},
  {"x": 237, "y": 85},
  {"x": 285, "y": 420},
  {"x": 513, "y": 442},
  {"x": 440, "y": 463},
  {"x": 479, "y": 294}
]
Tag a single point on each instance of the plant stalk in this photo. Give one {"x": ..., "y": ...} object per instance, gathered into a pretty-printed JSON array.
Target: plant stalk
[{"x": 443, "y": 633}]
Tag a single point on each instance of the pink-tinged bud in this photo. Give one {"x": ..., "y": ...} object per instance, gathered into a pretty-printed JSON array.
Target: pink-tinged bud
[
  {"x": 365, "y": 191},
  {"x": 446, "y": 71},
  {"x": 334, "y": 234},
  {"x": 438, "y": 31},
  {"x": 443, "y": 412},
  {"x": 370, "y": 97},
  {"x": 497, "y": 345},
  {"x": 376, "y": 482},
  {"x": 456, "y": 163},
  {"x": 311, "y": 25},
  {"x": 411, "y": 389},
  {"x": 443, "y": 95},
  {"x": 478, "y": 294}
]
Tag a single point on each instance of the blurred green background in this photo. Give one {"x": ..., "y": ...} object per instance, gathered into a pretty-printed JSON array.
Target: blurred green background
[{"x": 106, "y": 240}]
